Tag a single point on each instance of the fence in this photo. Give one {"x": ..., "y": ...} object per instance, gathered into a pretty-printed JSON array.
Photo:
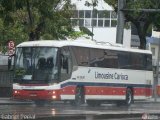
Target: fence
[{"x": 6, "y": 79}]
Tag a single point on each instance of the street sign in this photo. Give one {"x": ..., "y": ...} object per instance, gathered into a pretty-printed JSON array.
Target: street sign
[
  {"x": 11, "y": 44},
  {"x": 11, "y": 47}
]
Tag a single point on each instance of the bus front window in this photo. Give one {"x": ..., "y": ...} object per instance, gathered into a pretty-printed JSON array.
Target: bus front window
[{"x": 36, "y": 64}]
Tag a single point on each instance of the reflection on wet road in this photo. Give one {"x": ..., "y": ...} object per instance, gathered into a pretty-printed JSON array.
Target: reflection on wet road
[{"x": 83, "y": 112}]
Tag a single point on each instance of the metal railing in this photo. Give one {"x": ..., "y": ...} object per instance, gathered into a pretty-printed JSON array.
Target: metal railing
[{"x": 6, "y": 78}]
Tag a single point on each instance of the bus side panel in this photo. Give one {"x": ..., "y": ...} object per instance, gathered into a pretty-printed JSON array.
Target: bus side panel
[
  {"x": 149, "y": 81},
  {"x": 107, "y": 83}
]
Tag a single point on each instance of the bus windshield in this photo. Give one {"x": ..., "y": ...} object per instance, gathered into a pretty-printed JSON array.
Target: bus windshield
[{"x": 36, "y": 65}]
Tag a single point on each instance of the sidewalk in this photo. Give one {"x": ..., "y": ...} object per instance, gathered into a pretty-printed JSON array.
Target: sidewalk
[
  {"x": 154, "y": 99},
  {"x": 11, "y": 101},
  {"x": 151, "y": 100}
]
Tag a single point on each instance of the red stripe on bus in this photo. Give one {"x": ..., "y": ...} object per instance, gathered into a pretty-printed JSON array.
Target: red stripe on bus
[
  {"x": 104, "y": 90},
  {"x": 142, "y": 91},
  {"x": 69, "y": 90},
  {"x": 37, "y": 94},
  {"x": 96, "y": 90}
]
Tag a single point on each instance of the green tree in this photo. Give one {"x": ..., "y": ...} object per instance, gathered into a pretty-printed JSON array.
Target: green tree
[
  {"x": 141, "y": 19},
  {"x": 157, "y": 23},
  {"x": 36, "y": 19}
]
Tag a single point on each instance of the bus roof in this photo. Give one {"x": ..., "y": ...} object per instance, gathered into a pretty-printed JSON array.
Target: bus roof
[{"x": 88, "y": 44}]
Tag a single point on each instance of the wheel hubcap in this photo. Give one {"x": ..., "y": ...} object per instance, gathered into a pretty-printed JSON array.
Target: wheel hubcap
[{"x": 129, "y": 98}]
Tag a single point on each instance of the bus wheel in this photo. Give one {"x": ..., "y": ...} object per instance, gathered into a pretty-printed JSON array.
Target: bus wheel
[
  {"x": 79, "y": 96},
  {"x": 40, "y": 102},
  {"x": 129, "y": 97}
]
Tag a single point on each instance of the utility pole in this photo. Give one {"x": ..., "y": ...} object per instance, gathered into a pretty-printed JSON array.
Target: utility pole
[
  {"x": 93, "y": 4},
  {"x": 120, "y": 22},
  {"x": 92, "y": 20}
]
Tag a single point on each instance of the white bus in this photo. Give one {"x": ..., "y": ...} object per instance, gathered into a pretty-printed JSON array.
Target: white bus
[{"x": 81, "y": 72}]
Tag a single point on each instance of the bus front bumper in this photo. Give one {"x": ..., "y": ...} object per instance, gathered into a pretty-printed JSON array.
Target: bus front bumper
[{"x": 36, "y": 94}]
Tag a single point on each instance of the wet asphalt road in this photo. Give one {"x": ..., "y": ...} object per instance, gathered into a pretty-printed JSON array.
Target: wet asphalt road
[{"x": 65, "y": 111}]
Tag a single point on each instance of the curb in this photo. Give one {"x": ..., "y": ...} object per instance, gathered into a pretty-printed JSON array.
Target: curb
[
  {"x": 146, "y": 102},
  {"x": 15, "y": 103},
  {"x": 152, "y": 100}
]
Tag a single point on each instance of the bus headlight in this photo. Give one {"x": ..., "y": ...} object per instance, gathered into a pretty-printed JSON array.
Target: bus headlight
[
  {"x": 54, "y": 97},
  {"x": 15, "y": 91}
]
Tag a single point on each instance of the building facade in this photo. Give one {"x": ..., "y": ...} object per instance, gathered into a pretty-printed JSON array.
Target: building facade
[{"x": 104, "y": 20}]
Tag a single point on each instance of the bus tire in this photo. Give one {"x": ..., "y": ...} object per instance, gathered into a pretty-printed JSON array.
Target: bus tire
[
  {"x": 79, "y": 96},
  {"x": 129, "y": 97}
]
